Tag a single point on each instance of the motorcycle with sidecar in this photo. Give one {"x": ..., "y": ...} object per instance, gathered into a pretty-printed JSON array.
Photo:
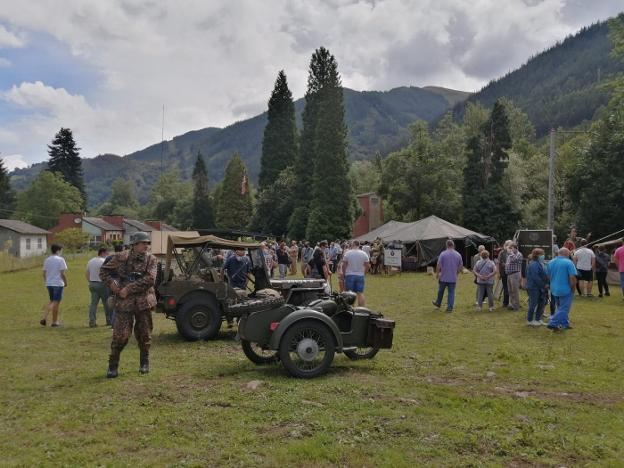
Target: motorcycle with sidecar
[{"x": 305, "y": 338}]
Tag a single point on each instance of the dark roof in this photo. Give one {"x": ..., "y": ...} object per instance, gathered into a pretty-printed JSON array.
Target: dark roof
[
  {"x": 21, "y": 227},
  {"x": 166, "y": 227},
  {"x": 139, "y": 225},
  {"x": 100, "y": 223}
]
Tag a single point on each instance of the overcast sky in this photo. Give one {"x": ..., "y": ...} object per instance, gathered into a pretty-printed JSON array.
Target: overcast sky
[{"x": 106, "y": 68}]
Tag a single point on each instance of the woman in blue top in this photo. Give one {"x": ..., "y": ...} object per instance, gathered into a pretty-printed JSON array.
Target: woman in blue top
[{"x": 536, "y": 285}]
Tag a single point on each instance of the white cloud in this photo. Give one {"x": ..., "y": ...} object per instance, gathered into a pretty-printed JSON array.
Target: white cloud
[
  {"x": 4, "y": 63},
  {"x": 211, "y": 63},
  {"x": 9, "y": 39},
  {"x": 14, "y": 161}
]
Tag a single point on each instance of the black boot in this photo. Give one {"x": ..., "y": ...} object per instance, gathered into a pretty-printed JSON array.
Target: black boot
[
  {"x": 144, "y": 369},
  {"x": 113, "y": 364}
]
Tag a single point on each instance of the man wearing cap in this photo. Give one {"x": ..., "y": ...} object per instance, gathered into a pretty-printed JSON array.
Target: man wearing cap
[{"x": 130, "y": 275}]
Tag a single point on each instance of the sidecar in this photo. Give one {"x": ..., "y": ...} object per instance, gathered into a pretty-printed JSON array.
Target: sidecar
[{"x": 305, "y": 339}]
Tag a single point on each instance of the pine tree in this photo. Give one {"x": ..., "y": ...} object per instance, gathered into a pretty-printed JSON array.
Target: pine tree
[
  {"x": 279, "y": 144},
  {"x": 65, "y": 159},
  {"x": 7, "y": 194},
  {"x": 234, "y": 198},
  {"x": 304, "y": 162},
  {"x": 488, "y": 204},
  {"x": 202, "y": 203},
  {"x": 331, "y": 208}
]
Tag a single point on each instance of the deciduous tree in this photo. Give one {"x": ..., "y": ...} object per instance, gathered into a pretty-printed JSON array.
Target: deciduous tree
[{"x": 46, "y": 198}]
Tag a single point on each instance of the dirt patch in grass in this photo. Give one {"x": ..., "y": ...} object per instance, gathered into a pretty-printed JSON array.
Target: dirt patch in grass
[{"x": 600, "y": 399}]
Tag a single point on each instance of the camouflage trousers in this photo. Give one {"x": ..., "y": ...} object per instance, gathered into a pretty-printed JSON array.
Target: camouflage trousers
[{"x": 122, "y": 329}]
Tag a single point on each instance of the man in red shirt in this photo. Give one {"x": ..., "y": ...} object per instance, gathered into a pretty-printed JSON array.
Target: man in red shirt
[{"x": 618, "y": 257}]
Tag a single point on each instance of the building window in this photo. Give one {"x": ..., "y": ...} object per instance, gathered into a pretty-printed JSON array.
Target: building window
[
  {"x": 28, "y": 243},
  {"x": 39, "y": 243}
]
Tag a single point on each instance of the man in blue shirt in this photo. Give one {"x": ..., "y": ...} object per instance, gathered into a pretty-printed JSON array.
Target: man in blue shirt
[
  {"x": 237, "y": 266},
  {"x": 562, "y": 274}
]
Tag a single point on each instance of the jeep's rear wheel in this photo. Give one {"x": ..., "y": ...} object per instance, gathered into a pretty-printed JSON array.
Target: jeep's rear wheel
[
  {"x": 258, "y": 355},
  {"x": 199, "y": 319}
]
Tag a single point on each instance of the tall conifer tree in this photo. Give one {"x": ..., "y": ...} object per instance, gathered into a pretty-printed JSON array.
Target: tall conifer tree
[
  {"x": 65, "y": 159},
  {"x": 331, "y": 207},
  {"x": 279, "y": 144},
  {"x": 304, "y": 163},
  {"x": 488, "y": 204},
  {"x": 7, "y": 195},
  {"x": 329, "y": 210},
  {"x": 202, "y": 204},
  {"x": 234, "y": 198}
]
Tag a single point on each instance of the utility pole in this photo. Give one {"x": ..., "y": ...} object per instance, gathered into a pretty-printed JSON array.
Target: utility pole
[{"x": 551, "y": 181}]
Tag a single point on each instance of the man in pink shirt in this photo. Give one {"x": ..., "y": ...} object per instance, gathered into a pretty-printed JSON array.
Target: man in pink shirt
[{"x": 618, "y": 256}]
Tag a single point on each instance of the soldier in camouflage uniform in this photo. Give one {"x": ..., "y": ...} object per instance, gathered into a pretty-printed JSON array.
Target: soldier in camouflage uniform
[{"x": 130, "y": 275}]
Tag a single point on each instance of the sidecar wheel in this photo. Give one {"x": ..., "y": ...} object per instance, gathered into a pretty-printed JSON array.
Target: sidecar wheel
[{"x": 307, "y": 349}]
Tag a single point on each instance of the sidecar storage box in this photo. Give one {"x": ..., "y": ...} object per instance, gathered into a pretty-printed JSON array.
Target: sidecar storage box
[{"x": 380, "y": 333}]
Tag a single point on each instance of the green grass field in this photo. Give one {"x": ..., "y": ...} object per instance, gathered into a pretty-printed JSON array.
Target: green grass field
[{"x": 461, "y": 389}]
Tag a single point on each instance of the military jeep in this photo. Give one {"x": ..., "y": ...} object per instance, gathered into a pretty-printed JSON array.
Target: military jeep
[{"x": 192, "y": 289}]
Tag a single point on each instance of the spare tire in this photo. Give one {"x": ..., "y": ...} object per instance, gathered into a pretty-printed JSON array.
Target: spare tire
[{"x": 255, "y": 305}]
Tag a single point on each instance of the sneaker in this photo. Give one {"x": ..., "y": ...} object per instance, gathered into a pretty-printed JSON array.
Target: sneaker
[
  {"x": 607, "y": 293},
  {"x": 491, "y": 309},
  {"x": 435, "y": 304},
  {"x": 449, "y": 310},
  {"x": 537, "y": 323},
  {"x": 56, "y": 325},
  {"x": 42, "y": 322},
  {"x": 599, "y": 295},
  {"x": 529, "y": 323},
  {"x": 477, "y": 303},
  {"x": 92, "y": 325}
]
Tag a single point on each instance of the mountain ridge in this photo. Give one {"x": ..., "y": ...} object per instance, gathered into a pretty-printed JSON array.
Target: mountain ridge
[{"x": 377, "y": 121}]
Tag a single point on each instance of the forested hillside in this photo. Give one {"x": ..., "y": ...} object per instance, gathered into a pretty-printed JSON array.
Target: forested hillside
[
  {"x": 559, "y": 87},
  {"x": 377, "y": 122}
]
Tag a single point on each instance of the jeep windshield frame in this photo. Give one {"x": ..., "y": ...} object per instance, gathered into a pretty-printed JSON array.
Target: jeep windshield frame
[{"x": 201, "y": 245}]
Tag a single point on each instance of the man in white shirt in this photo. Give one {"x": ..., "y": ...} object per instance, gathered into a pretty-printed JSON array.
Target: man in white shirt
[
  {"x": 54, "y": 268},
  {"x": 585, "y": 261},
  {"x": 355, "y": 264},
  {"x": 98, "y": 290}
]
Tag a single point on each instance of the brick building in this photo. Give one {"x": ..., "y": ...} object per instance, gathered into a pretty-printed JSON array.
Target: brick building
[{"x": 372, "y": 214}]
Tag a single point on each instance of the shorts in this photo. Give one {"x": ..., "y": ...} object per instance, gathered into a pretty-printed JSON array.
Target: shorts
[
  {"x": 55, "y": 293},
  {"x": 354, "y": 283},
  {"x": 585, "y": 275}
]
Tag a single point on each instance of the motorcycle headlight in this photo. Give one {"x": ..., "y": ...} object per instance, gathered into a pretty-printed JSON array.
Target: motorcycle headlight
[{"x": 349, "y": 297}]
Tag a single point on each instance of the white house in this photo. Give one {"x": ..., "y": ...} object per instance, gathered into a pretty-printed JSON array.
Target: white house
[{"x": 22, "y": 239}]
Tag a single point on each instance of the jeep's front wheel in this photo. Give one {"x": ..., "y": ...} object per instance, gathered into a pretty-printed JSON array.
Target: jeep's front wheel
[{"x": 199, "y": 319}]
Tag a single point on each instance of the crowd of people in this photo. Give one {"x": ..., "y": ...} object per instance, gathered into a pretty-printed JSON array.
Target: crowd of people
[
  {"x": 572, "y": 269},
  {"x": 129, "y": 276}
]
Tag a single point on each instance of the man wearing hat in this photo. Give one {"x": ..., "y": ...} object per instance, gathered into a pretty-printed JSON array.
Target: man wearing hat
[{"x": 130, "y": 275}]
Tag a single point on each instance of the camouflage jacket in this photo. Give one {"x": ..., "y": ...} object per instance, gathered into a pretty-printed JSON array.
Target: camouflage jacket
[{"x": 138, "y": 273}]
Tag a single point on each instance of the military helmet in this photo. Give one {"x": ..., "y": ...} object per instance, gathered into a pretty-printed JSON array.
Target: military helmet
[{"x": 140, "y": 237}]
